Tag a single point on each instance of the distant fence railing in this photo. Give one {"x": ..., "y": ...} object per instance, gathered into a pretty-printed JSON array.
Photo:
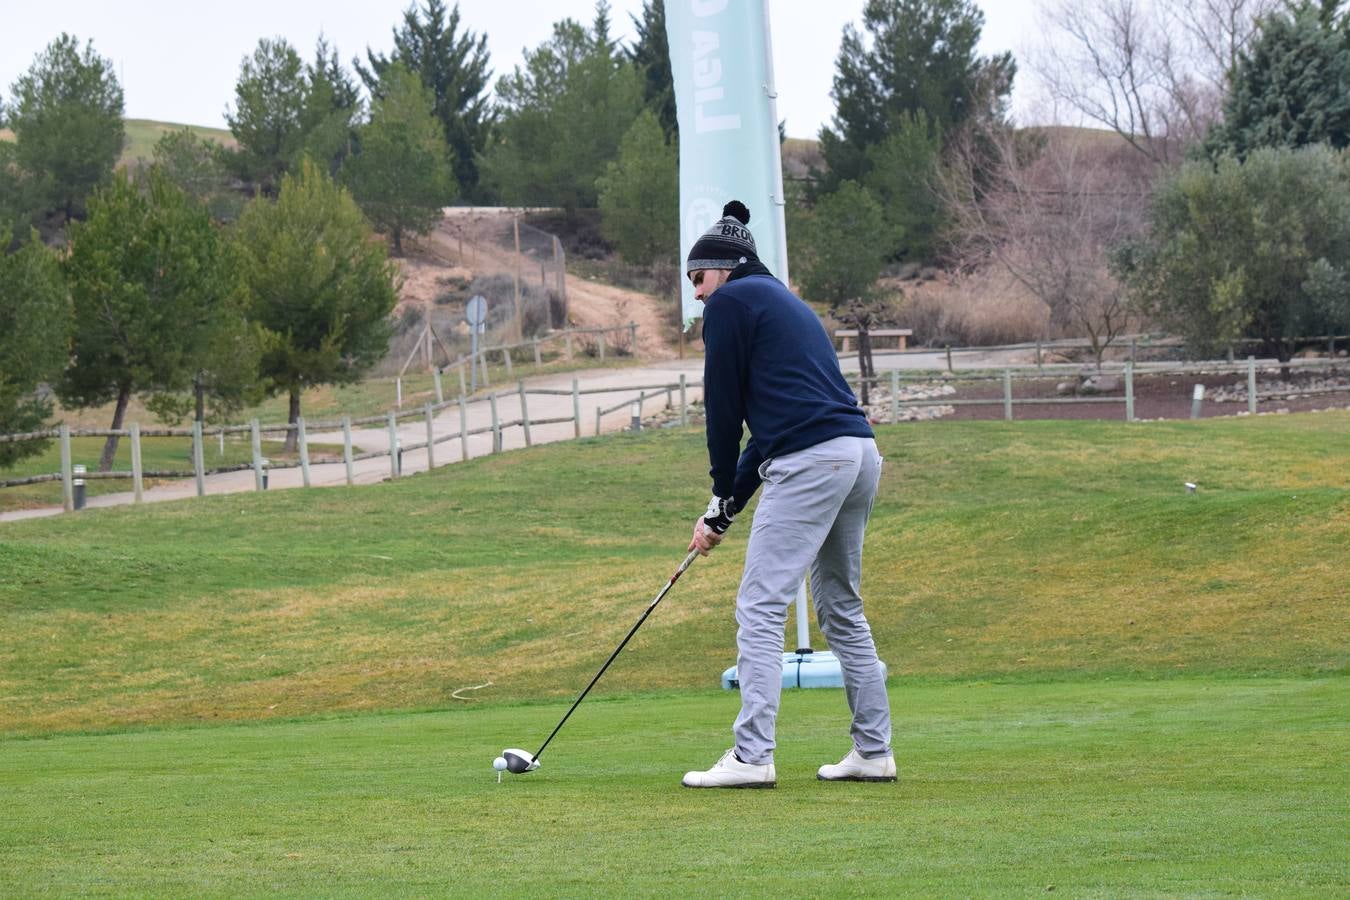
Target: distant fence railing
[
  {"x": 1126, "y": 371},
  {"x": 394, "y": 449},
  {"x": 635, "y": 398}
]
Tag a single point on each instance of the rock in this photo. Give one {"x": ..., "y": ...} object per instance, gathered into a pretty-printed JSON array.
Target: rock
[{"x": 1066, "y": 389}]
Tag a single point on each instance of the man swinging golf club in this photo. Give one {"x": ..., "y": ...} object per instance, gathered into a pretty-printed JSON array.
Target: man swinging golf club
[{"x": 770, "y": 365}]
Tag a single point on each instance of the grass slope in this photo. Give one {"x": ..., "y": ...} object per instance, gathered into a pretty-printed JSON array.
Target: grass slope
[
  {"x": 141, "y": 135},
  {"x": 1028, "y": 551}
]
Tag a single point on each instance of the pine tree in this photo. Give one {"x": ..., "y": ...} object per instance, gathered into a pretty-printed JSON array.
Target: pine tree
[
  {"x": 453, "y": 63},
  {"x": 35, "y": 321}
]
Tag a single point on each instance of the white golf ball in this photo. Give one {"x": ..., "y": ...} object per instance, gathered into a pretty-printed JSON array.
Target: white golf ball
[{"x": 499, "y": 763}]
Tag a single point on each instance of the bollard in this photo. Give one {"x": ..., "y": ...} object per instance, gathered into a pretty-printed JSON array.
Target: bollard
[
  {"x": 1196, "y": 399},
  {"x": 636, "y": 414},
  {"x": 684, "y": 405},
  {"x": 78, "y": 471},
  {"x": 496, "y": 424},
  {"x": 263, "y": 463},
  {"x": 1007, "y": 395}
]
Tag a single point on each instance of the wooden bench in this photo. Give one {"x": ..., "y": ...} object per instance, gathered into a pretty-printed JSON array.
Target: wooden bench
[{"x": 900, "y": 334}]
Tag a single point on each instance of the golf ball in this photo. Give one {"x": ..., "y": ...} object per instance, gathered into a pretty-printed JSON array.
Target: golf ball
[{"x": 499, "y": 763}]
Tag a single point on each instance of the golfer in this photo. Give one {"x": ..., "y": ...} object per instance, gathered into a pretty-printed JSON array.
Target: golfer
[{"x": 770, "y": 365}]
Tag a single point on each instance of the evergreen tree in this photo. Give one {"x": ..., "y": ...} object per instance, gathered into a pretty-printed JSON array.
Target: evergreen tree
[
  {"x": 1248, "y": 249},
  {"x": 1291, "y": 87},
  {"x": 562, "y": 117},
  {"x": 403, "y": 176},
  {"x": 650, "y": 55},
  {"x": 198, "y": 167},
  {"x": 319, "y": 287},
  {"x": 454, "y": 65},
  {"x": 149, "y": 280},
  {"x": 914, "y": 61},
  {"x": 34, "y": 340},
  {"x": 639, "y": 195},
  {"x": 269, "y": 113},
  {"x": 67, "y": 120},
  {"x": 332, "y": 105}
]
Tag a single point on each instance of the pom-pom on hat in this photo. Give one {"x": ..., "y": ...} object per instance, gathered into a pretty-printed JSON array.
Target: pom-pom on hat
[{"x": 725, "y": 245}]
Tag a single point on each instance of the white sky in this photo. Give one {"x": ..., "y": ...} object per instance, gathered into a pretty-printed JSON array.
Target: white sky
[{"x": 178, "y": 59}]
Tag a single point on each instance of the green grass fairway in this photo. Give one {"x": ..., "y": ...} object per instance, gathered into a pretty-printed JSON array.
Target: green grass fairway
[
  {"x": 1118, "y": 788},
  {"x": 1103, "y": 685}
]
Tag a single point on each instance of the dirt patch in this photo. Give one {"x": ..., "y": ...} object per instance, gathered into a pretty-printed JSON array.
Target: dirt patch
[{"x": 466, "y": 244}]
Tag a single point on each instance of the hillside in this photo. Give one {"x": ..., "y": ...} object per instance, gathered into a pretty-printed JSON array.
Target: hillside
[
  {"x": 141, "y": 135},
  {"x": 1023, "y": 551}
]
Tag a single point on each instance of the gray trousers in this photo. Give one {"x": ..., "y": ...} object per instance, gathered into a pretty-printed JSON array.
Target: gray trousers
[{"x": 812, "y": 514}]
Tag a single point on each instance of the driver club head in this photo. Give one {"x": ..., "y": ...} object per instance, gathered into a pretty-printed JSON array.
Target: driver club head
[{"x": 518, "y": 762}]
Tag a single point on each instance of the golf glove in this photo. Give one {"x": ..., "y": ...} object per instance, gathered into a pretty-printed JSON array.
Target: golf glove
[{"x": 721, "y": 512}]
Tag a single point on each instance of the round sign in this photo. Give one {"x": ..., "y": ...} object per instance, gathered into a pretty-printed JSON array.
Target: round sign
[{"x": 475, "y": 312}]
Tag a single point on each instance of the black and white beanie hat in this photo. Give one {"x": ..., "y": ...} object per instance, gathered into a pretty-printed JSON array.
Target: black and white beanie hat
[{"x": 725, "y": 245}]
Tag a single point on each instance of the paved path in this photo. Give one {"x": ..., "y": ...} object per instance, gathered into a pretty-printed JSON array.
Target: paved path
[{"x": 623, "y": 383}]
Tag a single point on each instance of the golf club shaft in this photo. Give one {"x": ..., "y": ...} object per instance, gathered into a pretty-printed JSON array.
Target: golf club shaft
[{"x": 651, "y": 606}]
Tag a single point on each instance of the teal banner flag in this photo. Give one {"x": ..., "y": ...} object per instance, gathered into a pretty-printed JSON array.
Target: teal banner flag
[{"x": 722, "y": 62}]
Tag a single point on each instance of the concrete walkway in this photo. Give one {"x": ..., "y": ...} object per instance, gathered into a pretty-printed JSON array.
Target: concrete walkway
[{"x": 617, "y": 385}]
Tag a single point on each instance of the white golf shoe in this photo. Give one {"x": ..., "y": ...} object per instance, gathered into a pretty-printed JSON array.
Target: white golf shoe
[
  {"x": 855, "y": 768},
  {"x": 730, "y": 772}
]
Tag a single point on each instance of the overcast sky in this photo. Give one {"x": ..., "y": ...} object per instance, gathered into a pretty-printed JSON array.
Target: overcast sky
[{"x": 178, "y": 61}]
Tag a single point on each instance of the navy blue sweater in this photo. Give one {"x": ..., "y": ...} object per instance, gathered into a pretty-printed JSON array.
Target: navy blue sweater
[{"x": 768, "y": 364}]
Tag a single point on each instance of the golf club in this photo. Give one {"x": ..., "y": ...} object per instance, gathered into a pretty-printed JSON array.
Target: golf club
[{"x": 518, "y": 762}]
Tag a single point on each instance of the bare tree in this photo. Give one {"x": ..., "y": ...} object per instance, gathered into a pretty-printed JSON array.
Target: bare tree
[
  {"x": 1049, "y": 211},
  {"x": 1155, "y": 73}
]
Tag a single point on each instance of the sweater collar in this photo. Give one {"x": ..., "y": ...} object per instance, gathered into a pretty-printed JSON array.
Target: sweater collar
[{"x": 749, "y": 267}]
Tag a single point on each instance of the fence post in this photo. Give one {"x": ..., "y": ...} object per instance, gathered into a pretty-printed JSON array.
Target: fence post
[
  {"x": 436, "y": 375},
  {"x": 1129, "y": 391},
  {"x": 568, "y": 343},
  {"x": 482, "y": 359},
  {"x": 198, "y": 464},
  {"x": 895, "y": 396},
  {"x": 576, "y": 408},
  {"x": 1040, "y": 360},
  {"x": 1134, "y": 346},
  {"x": 632, "y": 338},
  {"x": 347, "y": 448},
  {"x": 524, "y": 414},
  {"x": 255, "y": 439},
  {"x": 684, "y": 408},
  {"x": 515, "y": 278},
  {"x": 496, "y": 425},
  {"x": 463, "y": 430},
  {"x": 304, "y": 450},
  {"x": 1251, "y": 385},
  {"x": 398, "y": 392},
  {"x": 463, "y": 386},
  {"x": 538, "y": 359},
  {"x": 1007, "y": 394},
  {"x": 393, "y": 445},
  {"x": 602, "y": 346},
  {"x": 597, "y": 421},
  {"x": 137, "y": 480},
  {"x": 506, "y": 361},
  {"x": 949, "y": 358},
  {"x": 431, "y": 439},
  {"x": 67, "y": 480}
]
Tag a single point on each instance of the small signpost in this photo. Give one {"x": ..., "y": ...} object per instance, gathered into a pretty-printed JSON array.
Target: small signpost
[{"x": 475, "y": 313}]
